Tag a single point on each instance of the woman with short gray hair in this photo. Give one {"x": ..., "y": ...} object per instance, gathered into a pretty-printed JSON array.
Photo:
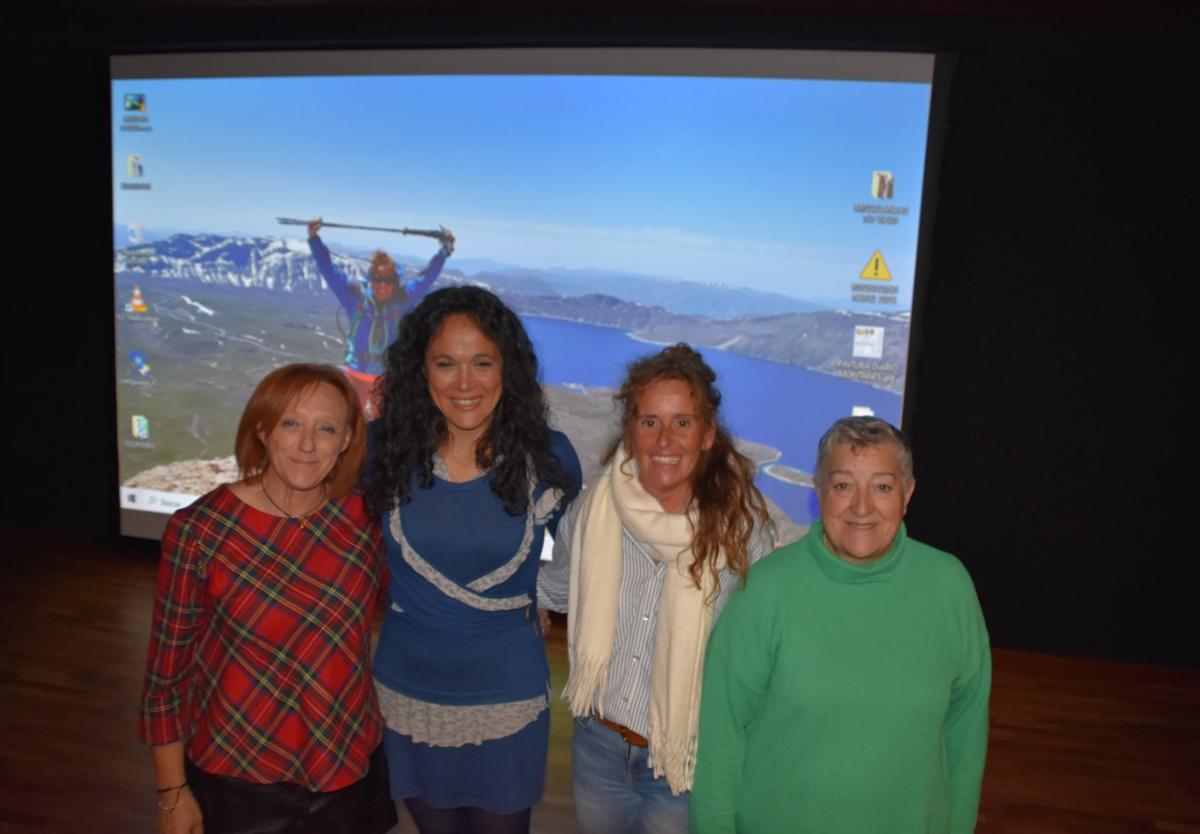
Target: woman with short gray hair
[{"x": 846, "y": 689}]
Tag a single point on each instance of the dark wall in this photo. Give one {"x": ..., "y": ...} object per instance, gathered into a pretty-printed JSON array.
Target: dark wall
[
  {"x": 1052, "y": 415},
  {"x": 1049, "y": 415}
]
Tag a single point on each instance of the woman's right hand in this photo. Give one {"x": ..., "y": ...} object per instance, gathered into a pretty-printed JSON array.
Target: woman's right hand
[{"x": 184, "y": 818}]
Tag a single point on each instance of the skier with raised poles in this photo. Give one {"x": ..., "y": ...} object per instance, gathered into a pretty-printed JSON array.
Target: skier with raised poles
[{"x": 374, "y": 308}]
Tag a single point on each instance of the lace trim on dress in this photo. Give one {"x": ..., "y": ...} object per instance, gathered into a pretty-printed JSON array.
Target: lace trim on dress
[
  {"x": 491, "y": 580},
  {"x": 439, "y": 725},
  {"x": 546, "y": 504},
  {"x": 447, "y": 585},
  {"x": 538, "y": 512}
]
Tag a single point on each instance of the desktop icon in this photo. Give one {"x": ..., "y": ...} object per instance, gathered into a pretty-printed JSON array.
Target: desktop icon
[
  {"x": 876, "y": 269},
  {"x": 139, "y": 427},
  {"x": 134, "y": 166},
  {"x": 868, "y": 341},
  {"x": 140, "y": 365},
  {"x": 136, "y": 304},
  {"x": 135, "y": 102},
  {"x": 861, "y": 411},
  {"x": 882, "y": 185},
  {"x": 137, "y": 233}
]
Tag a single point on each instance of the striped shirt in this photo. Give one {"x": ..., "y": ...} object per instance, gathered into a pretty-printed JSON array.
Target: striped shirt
[
  {"x": 259, "y": 647},
  {"x": 627, "y": 690}
]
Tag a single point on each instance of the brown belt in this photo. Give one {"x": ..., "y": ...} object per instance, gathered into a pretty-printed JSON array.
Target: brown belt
[{"x": 627, "y": 735}]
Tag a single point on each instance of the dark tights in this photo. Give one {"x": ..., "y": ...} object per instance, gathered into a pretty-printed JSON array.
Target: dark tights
[{"x": 431, "y": 820}]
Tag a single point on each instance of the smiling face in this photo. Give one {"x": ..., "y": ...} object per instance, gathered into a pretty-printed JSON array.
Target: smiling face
[
  {"x": 383, "y": 275},
  {"x": 667, "y": 438},
  {"x": 863, "y": 499},
  {"x": 382, "y": 288},
  {"x": 303, "y": 446},
  {"x": 465, "y": 373}
]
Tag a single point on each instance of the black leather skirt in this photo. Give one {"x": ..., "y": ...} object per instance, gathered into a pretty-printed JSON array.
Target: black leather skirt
[{"x": 235, "y": 806}]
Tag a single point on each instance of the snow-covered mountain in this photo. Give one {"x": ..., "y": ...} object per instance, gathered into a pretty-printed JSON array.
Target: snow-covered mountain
[
  {"x": 285, "y": 264},
  {"x": 263, "y": 263},
  {"x": 817, "y": 339}
]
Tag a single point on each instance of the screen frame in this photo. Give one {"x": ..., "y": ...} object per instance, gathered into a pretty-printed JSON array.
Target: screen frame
[{"x": 666, "y": 61}]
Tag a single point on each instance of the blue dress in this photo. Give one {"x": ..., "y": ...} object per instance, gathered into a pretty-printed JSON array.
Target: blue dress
[{"x": 461, "y": 667}]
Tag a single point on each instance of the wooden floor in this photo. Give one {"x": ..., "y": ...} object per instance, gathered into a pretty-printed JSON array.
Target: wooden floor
[{"x": 1077, "y": 746}]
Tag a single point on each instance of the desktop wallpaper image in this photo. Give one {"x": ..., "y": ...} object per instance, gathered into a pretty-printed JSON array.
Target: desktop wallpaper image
[{"x": 771, "y": 223}]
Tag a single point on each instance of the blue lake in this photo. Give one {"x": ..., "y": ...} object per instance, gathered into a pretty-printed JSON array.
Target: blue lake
[{"x": 782, "y": 406}]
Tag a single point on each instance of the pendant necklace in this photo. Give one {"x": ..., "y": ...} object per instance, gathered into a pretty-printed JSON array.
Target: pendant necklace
[{"x": 299, "y": 517}]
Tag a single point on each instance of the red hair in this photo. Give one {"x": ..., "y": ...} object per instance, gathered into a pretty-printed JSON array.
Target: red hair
[{"x": 277, "y": 391}]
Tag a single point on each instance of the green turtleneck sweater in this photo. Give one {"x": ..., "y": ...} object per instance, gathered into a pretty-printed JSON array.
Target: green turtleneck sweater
[{"x": 845, "y": 699}]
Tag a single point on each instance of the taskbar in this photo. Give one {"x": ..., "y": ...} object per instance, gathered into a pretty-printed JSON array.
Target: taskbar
[{"x": 154, "y": 500}]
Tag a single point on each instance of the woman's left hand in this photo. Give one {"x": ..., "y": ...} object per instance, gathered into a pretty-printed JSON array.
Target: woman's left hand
[
  {"x": 544, "y": 621},
  {"x": 183, "y": 817}
]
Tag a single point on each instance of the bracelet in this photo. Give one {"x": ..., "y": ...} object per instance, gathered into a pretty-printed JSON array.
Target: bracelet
[
  {"x": 178, "y": 799},
  {"x": 172, "y": 788}
]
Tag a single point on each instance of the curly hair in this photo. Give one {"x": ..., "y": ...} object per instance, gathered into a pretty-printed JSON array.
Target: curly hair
[
  {"x": 411, "y": 427},
  {"x": 727, "y": 503}
]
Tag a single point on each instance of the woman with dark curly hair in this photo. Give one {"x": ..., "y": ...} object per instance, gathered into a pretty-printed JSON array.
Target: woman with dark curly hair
[
  {"x": 643, "y": 566},
  {"x": 466, "y": 476}
]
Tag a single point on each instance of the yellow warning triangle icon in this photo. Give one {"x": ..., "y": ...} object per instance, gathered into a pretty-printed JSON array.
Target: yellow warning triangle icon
[{"x": 876, "y": 269}]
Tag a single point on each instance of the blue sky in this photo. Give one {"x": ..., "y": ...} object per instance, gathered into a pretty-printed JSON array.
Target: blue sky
[{"x": 748, "y": 182}]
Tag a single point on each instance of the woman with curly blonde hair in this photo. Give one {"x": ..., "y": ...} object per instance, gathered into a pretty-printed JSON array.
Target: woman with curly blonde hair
[{"x": 643, "y": 564}]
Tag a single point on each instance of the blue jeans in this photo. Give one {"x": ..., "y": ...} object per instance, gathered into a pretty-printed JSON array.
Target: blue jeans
[{"x": 615, "y": 792}]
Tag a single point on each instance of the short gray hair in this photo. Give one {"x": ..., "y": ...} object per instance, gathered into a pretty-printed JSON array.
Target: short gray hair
[{"x": 858, "y": 433}]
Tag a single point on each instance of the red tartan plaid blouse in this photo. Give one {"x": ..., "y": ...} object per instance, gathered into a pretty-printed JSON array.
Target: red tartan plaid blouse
[{"x": 259, "y": 646}]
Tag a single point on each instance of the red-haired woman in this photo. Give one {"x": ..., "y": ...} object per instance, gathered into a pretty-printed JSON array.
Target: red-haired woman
[
  {"x": 652, "y": 552},
  {"x": 258, "y": 698}
]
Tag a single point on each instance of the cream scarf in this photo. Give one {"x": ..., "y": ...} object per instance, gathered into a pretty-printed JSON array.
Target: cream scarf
[{"x": 617, "y": 500}]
